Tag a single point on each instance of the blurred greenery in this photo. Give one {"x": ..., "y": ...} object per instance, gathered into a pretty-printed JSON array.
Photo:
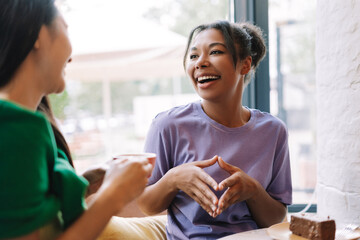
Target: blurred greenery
[
  {"x": 89, "y": 98},
  {"x": 58, "y": 103}
]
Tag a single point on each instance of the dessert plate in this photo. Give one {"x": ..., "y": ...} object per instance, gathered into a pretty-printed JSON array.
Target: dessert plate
[
  {"x": 281, "y": 231},
  {"x": 346, "y": 234}
]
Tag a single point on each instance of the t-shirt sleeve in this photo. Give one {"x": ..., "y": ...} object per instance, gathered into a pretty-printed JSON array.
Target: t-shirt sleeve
[
  {"x": 69, "y": 188},
  {"x": 280, "y": 187},
  {"x": 158, "y": 141},
  {"x": 26, "y": 204}
]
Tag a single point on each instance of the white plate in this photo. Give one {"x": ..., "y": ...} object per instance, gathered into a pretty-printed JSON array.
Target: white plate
[
  {"x": 281, "y": 231},
  {"x": 342, "y": 234}
]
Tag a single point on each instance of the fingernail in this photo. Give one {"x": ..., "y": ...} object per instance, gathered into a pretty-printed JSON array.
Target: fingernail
[{"x": 213, "y": 208}]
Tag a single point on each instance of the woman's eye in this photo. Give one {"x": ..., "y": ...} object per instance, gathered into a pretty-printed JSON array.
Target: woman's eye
[
  {"x": 192, "y": 56},
  {"x": 216, "y": 52}
]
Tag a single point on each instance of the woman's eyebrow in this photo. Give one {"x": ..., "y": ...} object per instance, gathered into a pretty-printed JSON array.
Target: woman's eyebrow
[
  {"x": 217, "y": 43},
  {"x": 210, "y": 45}
]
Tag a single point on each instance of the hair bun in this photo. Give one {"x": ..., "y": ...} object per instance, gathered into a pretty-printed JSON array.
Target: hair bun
[{"x": 258, "y": 47}]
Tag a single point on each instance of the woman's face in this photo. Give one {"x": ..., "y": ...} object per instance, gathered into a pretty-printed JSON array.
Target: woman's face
[
  {"x": 55, "y": 55},
  {"x": 211, "y": 68}
]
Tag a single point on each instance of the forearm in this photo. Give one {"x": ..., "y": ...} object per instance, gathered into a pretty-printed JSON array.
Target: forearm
[
  {"x": 265, "y": 210},
  {"x": 93, "y": 221},
  {"x": 88, "y": 227},
  {"x": 157, "y": 197}
]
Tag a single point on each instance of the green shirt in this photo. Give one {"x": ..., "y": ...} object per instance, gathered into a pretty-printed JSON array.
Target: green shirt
[{"x": 37, "y": 183}]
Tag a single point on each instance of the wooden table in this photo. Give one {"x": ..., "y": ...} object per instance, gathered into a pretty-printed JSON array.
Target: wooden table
[{"x": 259, "y": 234}]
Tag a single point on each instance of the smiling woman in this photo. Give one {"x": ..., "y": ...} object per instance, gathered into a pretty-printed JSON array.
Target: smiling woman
[
  {"x": 210, "y": 173},
  {"x": 39, "y": 189}
]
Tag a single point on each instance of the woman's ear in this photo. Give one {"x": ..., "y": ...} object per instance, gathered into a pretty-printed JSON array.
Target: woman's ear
[
  {"x": 246, "y": 65},
  {"x": 37, "y": 44},
  {"x": 40, "y": 38}
]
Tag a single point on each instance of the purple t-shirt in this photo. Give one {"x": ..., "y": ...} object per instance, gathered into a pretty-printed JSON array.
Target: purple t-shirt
[{"x": 186, "y": 134}]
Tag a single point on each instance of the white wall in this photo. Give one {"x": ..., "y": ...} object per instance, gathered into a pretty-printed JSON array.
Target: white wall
[{"x": 338, "y": 109}]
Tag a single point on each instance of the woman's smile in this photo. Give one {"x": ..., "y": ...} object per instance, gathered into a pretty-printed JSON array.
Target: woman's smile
[
  {"x": 204, "y": 79},
  {"x": 204, "y": 82}
]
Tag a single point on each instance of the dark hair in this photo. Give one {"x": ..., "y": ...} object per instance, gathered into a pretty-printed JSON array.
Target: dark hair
[
  {"x": 241, "y": 39},
  {"x": 20, "y": 24},
  {"x": 45, "y": 108}
]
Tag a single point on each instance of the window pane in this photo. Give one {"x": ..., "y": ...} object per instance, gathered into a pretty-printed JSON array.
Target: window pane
[
  {"x": 127, "y": 67},
  {"x": 292, "y": 83}
]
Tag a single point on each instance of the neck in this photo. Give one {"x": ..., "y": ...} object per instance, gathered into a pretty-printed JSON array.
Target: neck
[
  {"x": 23, "y": 100},
  {"x": 21, "y": 89},
  {"x": 230, "y": 115}
]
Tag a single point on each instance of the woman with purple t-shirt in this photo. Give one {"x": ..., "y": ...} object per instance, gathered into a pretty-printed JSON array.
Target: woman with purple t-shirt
[{"x": 221, "y": 168}]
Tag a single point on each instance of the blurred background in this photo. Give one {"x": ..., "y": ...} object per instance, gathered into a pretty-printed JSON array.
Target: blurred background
[{"x": 127, "y": 67}]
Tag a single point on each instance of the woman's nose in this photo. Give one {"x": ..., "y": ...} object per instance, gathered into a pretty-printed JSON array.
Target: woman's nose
[{"x": 202, "y": 62}]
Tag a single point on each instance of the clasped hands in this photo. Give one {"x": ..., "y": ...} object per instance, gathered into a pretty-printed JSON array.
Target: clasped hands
[{"x": 195, "y": 182}]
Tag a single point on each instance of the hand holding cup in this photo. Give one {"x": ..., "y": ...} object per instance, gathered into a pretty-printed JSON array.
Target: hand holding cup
[{"x": 150, "y": 157}]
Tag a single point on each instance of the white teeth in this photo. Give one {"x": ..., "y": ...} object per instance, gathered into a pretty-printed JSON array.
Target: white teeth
[{"x": 206, "y": 78}]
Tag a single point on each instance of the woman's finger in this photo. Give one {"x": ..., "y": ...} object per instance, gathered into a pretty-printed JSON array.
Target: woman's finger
[
  {"x": 205, "y": 202},
  {"x": 226, "y": 166},
  {"x": 206, "y": 163},
  {"x": 222, "y": 203},
  {"x": 209, "y": 195},
  {"x": 227, "y": 197},
  {"x": 149, "y": 168},
  {"x": 202, "y": 191},
  {"x": 206, "y": 178},
  {"x": 228, "y": 182}
]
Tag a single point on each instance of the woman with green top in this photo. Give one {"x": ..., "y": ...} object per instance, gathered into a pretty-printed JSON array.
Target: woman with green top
[{"x": 41, "y": 197}]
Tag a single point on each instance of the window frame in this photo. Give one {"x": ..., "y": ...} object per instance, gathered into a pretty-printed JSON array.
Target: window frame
[{"x": 257, "y": 93}]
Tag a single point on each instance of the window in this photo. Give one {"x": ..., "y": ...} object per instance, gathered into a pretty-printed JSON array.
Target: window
[{"x": 292, "y": 85}]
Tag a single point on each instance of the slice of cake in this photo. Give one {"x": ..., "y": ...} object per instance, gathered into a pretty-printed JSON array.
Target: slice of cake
[{"x": 312, "y": 227}]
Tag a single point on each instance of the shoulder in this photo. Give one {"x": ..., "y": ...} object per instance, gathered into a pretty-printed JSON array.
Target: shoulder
[
  {"x": 266, "y": 120},
  {"x": 15, "y": 116},
  {"x": 22, "y": 131},
  {"x": 176, "y": 115}
]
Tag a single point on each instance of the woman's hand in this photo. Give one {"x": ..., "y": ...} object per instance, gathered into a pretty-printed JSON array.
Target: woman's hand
[
  {"x": 195, "y": 182},
  {"x": 125, "y": 180},
  {"x": 95, "y": 176},
  {"x": 240, "y": 186}
]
